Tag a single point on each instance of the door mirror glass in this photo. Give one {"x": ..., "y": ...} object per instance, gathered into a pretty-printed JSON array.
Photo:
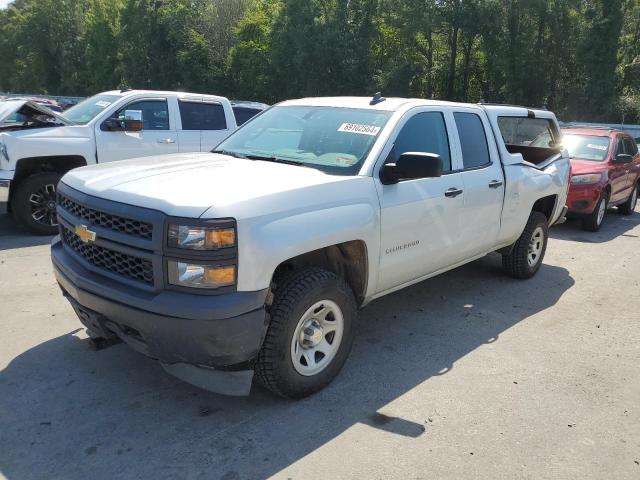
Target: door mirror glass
[
  {"x": 623, "y": 158},
  {"x": 411, "y": 166},
  {"x": 133, "y": 120}
]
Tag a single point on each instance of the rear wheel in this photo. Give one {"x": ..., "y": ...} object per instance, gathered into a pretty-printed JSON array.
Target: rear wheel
[
  {"x": 310, "y": 333},
  {"x": 628, "y": 207},
  {"x": 593, "y": 221},
  {"x": 34, "y": 203},
  {"x": 527, "y": 253}
]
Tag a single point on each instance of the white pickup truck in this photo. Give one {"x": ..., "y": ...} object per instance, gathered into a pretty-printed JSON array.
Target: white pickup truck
[
  {"x": 37, "y": 145},
  {"x": 255, "y": 258}
]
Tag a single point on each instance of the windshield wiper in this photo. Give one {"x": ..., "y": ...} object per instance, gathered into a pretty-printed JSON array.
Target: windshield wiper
[
  {"x": 266, "y": 158},
  {"x": 230, "y": 153}
]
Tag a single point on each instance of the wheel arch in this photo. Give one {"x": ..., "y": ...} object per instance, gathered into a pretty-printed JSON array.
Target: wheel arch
[
  {"x": 60, "y": 164},
  {"x": 347, "y": 259},
  {"x": 546, "y": 206}
]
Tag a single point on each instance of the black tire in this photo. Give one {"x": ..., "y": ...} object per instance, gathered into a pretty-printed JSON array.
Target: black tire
[
  {"x": 274, "y": 366},
  {"x": 517, "y": 262},
  {"x": 628, "y": 207},
  {"x": 593, "y": 222},
  {"x": 37, "y": 218}
]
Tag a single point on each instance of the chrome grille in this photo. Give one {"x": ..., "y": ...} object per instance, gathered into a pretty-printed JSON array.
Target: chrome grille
[
  {"x": 128, "y": 266},
  {"x": 117, "y": 223}
]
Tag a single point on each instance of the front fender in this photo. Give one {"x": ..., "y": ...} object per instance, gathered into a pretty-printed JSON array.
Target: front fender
[{"x": 266, "y": 242}]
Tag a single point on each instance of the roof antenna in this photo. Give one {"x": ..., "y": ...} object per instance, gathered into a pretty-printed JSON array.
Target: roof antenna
[{"x": 377, "y": 98}]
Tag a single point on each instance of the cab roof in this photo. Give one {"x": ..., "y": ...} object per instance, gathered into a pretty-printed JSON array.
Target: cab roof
[
  {"x": 128, "y": 93},
  {"x": 392, "y": 104}
]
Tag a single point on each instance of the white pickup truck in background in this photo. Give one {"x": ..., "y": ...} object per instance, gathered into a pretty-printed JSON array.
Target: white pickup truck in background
[
  {"x": 37, "y": 145},
  {"x": 255, "y": 258}
]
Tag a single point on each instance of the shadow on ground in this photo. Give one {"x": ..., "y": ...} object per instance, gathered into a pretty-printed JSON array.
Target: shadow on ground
[
  {"x": 13, "y": 236},
  {"x": 69, "y": 412},
  {"x": 615, "y": 225}
]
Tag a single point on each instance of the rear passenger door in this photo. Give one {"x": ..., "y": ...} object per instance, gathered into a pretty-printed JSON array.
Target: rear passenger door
[
  {"x": 482, "y": 180},
  {"x": 203, "y": 120}
]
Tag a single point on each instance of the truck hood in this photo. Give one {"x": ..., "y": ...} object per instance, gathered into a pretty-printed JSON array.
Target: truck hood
[
  {"x": 29, "y": 108},
  {"x": 187, "y": 185}
]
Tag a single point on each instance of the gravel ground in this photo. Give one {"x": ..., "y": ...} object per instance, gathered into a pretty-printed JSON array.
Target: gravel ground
[{"x": 468, "y": 375}]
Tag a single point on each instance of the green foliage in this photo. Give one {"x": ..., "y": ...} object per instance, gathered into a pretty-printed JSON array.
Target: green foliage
[{"x": 579, "y": 57}]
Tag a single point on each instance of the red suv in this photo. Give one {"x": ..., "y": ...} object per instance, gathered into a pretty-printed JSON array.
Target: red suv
[{"x": 605, "y": 172}]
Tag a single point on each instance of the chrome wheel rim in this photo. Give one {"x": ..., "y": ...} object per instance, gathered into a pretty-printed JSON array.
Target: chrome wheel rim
[
  {"x": 317, "y": 338},
  {"x": 536, "y": 244},
  {"x": 43, "y": 205},
  {"x": 602, "y": 207}
]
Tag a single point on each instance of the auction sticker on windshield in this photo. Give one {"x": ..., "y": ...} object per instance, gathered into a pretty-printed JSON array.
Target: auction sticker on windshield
[
  {"x": 596, "y": 147},
  {"x": 358, "y": 128}
]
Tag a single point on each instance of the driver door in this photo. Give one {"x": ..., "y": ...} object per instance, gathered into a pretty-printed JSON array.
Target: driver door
[
  {"x": 158, "y": 136},
  {"x": 420, "y": 226}
]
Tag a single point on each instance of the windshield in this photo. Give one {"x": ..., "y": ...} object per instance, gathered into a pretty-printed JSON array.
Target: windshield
[
  {"x": 334, "y": 140},
  {"x": 85, "y": 111},
  {"x": 587, "y": 147}
]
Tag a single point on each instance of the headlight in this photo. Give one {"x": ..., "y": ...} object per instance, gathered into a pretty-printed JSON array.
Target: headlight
[
  {"x": 194, "y": 275},
  {"x": 586, "y": 179},
  {"x": 201, "y": 238}
]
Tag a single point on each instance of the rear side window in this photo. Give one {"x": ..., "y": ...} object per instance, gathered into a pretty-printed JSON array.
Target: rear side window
[
  {"x": 473, "y": 140},
  {"x": 528, "y": 132},
  {"x": 425, "y": 132},
  {"x": 202, "y": 116},
  {"x": 630, "y": 146},
  {"x": 243, "y": 114}
]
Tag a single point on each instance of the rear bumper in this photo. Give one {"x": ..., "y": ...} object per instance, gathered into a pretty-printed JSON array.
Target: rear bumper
[
  {"x": 211, "y": 344},
  {"x": 6, "y": 177}
]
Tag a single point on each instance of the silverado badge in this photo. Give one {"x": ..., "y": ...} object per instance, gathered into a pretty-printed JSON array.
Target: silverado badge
[{"x": 86, "y": 235}]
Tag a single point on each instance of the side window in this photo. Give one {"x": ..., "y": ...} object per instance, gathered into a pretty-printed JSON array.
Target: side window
[
  {"x": 630, "y": 146},
  {"x": 202, "y": 116},
  {"x": 424, "y": 132},
  {"x": 155, "y": 113},
  {"x": 473, "y": 139},
  {"x": 619, "y": 146},
  {"x": 243, "y": 114}
]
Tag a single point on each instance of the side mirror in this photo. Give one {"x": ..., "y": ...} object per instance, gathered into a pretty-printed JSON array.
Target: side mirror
[
  {"x": 410, "y": 166},
  {"x": 133, "y": 121},
  {"x": 623, "y": 158}
]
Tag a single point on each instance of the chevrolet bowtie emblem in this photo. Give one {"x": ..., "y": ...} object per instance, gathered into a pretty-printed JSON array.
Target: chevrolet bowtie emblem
[{"x": 86, "y": 235}]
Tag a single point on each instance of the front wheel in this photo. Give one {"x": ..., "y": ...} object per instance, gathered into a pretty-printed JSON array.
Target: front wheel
[
  {"x": 593, "y": 221},
  {"x": 628, "y": 207},
  {"x": 527, "y": 253},
  {"x": 34, "y": 203},
  {"x": 310, "y": 334}
]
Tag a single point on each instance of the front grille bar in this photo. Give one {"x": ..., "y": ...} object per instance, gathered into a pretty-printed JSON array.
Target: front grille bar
[
  {"x": 128, "y": 266},
  {"x": 135, "y": 228}
]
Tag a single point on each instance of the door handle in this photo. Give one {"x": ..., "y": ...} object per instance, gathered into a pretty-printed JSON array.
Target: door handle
[
  {"x": 166, "y": 140},
  {"x": 495, "y": 184},
  {"x": 453, "y": 192}
]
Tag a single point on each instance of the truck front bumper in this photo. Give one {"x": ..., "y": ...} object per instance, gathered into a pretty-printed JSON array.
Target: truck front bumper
[
  {"x": 208, "y": 343},
  {"x": 6, "y": 176}
]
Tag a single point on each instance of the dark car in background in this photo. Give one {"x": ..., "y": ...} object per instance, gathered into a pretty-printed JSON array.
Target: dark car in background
[
  {"x": 246, "y": 110},
  {"x": 605, "y": 172}
]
